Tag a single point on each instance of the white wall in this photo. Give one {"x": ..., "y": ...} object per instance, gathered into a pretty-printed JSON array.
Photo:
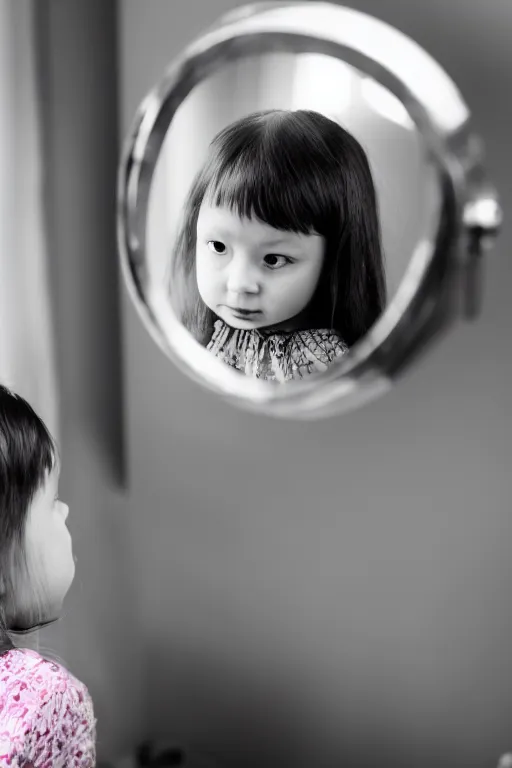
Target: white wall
[
  {"x": 338, "y": 589},
  {"x": 321, "y": 594}
]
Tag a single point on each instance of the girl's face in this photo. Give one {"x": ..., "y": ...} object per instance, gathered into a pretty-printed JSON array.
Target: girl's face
[
  {"x": 48, "y": 542},
  {"x": 252, "y": 275}
]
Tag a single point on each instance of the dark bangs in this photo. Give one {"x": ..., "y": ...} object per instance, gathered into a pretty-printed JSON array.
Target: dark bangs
[{"x": 257, "y": 169}]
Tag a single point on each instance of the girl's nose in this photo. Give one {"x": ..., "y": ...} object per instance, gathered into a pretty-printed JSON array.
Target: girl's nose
[{"x": 242, "y": 277}]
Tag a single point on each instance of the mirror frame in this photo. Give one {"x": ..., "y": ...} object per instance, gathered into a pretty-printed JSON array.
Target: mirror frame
[{"x": 425, "y": 303}]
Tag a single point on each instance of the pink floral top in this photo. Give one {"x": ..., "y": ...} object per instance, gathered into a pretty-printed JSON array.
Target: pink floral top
[{"x": 46, "y": 715}]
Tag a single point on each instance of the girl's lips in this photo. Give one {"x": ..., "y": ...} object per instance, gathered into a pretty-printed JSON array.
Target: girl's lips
[{"x": 244, "y": 312}]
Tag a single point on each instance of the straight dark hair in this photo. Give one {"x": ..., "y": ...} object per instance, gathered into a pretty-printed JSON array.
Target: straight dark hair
[
  {"x": 297, "y": 171},
  {"x": 27, "y": 454}
]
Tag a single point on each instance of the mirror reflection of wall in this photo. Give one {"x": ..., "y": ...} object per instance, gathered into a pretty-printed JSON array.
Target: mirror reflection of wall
[{"x": 406, "y": 183}]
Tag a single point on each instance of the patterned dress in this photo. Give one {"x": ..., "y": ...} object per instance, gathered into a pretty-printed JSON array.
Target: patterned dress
[
  {"x": 46, "y": 715},
  {"x": 276, "y": 355}
]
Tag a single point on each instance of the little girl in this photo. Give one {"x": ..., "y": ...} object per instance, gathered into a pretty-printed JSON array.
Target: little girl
[
  {"x": 46, "y": 715},
  {"x": 278, "y": 267}
]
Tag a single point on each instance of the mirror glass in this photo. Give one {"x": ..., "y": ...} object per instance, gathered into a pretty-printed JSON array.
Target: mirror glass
[{"x": 270, "y": 301}]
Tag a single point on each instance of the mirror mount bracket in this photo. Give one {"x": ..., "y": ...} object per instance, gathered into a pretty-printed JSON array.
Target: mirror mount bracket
[{"x": 482, "y": 219}]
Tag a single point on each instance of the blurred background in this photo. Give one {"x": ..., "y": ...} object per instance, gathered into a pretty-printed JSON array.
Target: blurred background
[{"x": 272, "y": 593}]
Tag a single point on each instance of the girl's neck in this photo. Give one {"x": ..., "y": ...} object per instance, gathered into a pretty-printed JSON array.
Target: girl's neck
[{"x": 30, "y": 641}]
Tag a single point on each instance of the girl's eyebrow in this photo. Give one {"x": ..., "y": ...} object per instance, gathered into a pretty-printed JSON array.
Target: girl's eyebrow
[
  {"x": 288, "y": 239},
  {"x": 211, "y": 230},
  {"x": 220, "y": 232},
  {"x": 277, "y": 241}
]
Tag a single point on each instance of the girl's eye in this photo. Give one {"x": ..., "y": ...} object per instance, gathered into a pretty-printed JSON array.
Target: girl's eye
[
  {"x": 274, "y": 261},
  {"x": 216, "y": 246}
]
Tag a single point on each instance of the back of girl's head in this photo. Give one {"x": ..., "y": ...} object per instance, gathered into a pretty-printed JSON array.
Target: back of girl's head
[
  {"x": 297, "y": 171},
  {"x": 27, "y": 454}
]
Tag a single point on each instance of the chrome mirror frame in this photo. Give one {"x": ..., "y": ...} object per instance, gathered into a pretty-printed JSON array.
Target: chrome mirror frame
[{"x": 426, "y": 301}]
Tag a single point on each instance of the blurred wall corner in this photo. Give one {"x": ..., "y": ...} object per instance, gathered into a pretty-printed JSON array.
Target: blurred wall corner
[
  {"x": 27, "y": 341},
  {"x": 76, "y": 49}
]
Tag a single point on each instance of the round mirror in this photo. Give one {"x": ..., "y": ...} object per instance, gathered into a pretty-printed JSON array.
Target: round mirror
[{"x": 300, "y": 200}]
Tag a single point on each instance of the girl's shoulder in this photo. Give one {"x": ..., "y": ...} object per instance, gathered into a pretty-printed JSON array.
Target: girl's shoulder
[
  {"x": 33, "y": 672},
  {"x": 322, "y": 343},
  {"x": 41, "y": 702},
  {"x": 312, "y": 351}
]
